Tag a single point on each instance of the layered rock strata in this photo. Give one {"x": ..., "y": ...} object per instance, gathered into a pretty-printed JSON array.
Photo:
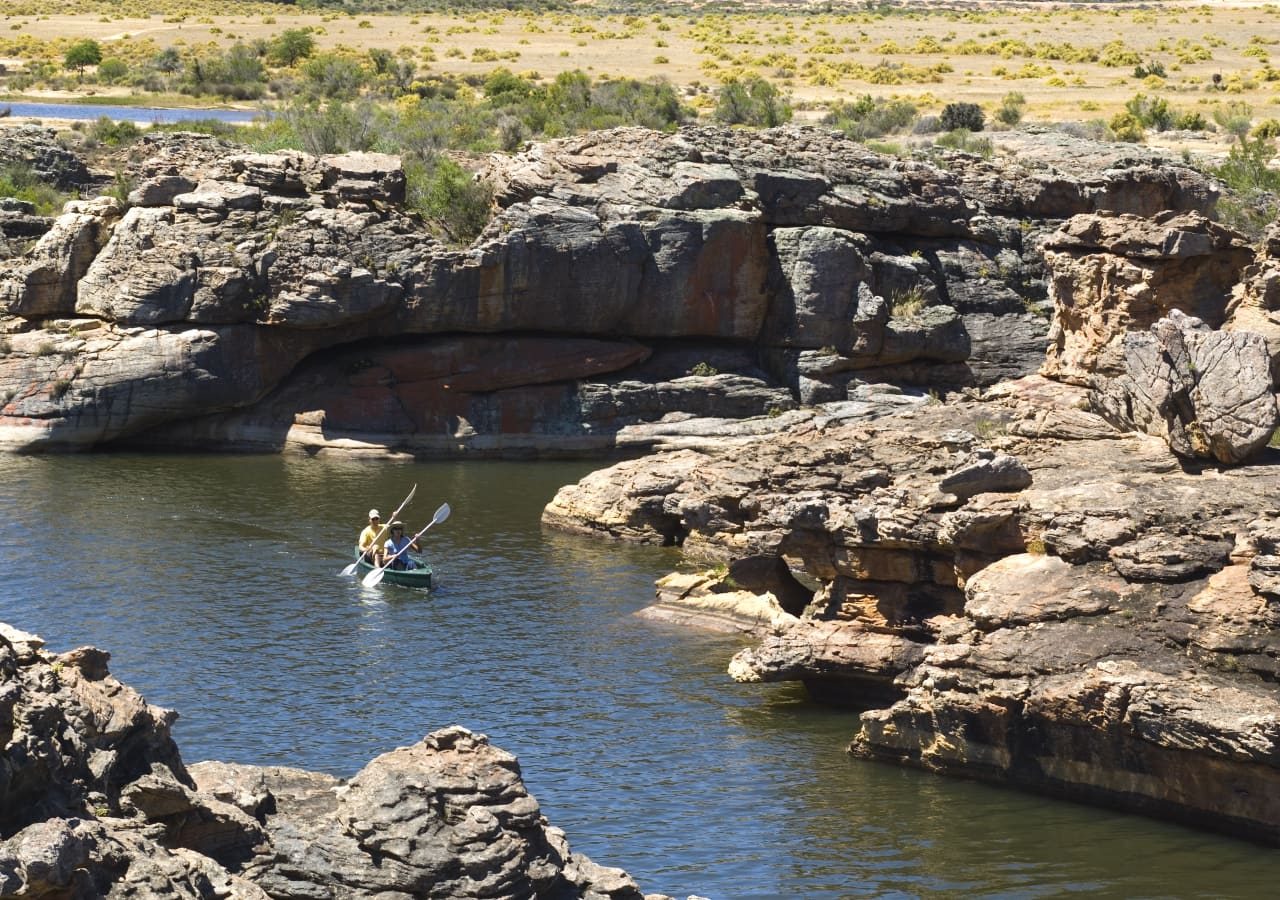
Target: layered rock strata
[
  {"x": 1093, "y": 617},
  {"x": 95, "y": 801},
  {"x": 281, "y": 301}
]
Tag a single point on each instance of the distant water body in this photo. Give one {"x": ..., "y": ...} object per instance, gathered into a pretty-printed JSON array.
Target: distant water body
[
  {"x": 149, "y": 115},
  {"x": 213, "y": 582}
]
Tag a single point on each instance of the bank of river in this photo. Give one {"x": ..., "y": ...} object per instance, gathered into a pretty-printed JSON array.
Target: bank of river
[
  {"x": 142, "y": 115},
  {"x": 213, "y": 582}
]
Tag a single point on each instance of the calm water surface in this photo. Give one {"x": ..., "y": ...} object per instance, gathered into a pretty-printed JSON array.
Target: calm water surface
[
  {"x": 147, "y": 115},
  {"x": 213, "y": 582}
]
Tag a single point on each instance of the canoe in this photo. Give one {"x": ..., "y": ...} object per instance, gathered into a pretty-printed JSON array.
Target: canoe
[{"x": 418, "y": 578}]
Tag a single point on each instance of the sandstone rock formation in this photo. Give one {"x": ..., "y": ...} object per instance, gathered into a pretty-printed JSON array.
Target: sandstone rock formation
[
  {"x": 791, "y": 266},
  {"x": 1090, "y": 616},
  {"x": 1065, "y": 581},
  {"x": 95, "y": 801},
  {"x": 1110, "y": 275}
]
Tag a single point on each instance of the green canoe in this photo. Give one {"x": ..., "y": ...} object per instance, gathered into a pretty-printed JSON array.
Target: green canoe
[{"x": 419, "y": 577}]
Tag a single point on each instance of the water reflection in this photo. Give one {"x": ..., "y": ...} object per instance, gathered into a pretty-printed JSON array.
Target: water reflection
[{"x": 214, "y": 582}]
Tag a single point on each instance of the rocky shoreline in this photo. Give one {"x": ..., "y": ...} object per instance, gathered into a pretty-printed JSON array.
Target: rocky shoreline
[
  {"x": 982, "y": 444},
  {"x": 96, "y": 801}
]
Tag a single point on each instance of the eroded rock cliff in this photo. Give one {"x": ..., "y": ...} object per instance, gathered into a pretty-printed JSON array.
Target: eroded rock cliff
[{"x": 275, "y": 301}]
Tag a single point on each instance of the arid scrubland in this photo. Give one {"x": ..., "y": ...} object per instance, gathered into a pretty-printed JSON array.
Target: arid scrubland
[
  {"x": 1069, "y": 61},
  {"x": 347, "y": 75}
]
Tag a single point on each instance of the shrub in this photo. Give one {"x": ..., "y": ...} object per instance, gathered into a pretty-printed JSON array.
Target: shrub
[
  {"x": 1150, "y": 112},
  {"x": 236, "y": 73},
  {"x": 968, "y": 116},
  {"x": 1010, "y": 111},
  {"x": 331, "y": 127},
  {"x": 445, "y": 193},
  {"x": 112, "y": 70},
  {"x": 1267, "y": 129},
  {"x": 19, "y": 181},
  {"x": 1145, "y": 70},
  {"x": 334, "y": 75},
  {"x": 1252, "y": 185},
  {"x": 963, "y": 140},
  {"x": 1234, "y": 118},
  {"x": 867, "y": 118},
  {"x": 1127, "y": 127},
  {"x": 112, "y": 133},
  {"x": 1190, "y": 121},
  {"x": 751, "y": 101}
]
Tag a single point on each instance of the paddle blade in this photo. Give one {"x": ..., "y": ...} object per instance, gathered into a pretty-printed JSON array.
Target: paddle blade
[
  {"x": 348, "y": 570},
  {"x": 441, "y": 514},
  {"x": 373, "y": 578}
]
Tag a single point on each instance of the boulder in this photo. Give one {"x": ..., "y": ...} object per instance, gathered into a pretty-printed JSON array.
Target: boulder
[
  {"x": 42, "y": 282},
  {"x": 95, "y": 801},
  {"x": 1208, "y": 393}
]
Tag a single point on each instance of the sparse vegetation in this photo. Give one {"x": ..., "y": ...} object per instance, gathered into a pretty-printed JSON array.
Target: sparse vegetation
[
  {"x": 17, "y": 180},
  {"x": 907, "y": 304},
  {"x": 869, "y": 117},
  {"x": 1253, "y": 200}
]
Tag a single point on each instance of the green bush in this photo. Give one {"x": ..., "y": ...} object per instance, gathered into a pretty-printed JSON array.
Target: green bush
[
  {"x": 963, "y": 140},
  {"x": 334, "y": 75},
  {"x": 19, "y": 181},
  {"x": 1250, "y": 203},
  {"x": 236, "y": 73},
  {"x": 968, "y": 116},
  {"x": 331, "y": 127},
  {"x": 751, "y": 101},
  {"x": 1235, "y": 118},
  {"x": 447, "y": 195},
  {"x": 1011, "y": 107},
  {"x": 112, "y": 70},
  {"x": 1150, "y": 112},
  {"x": 112, "y": 133},
  {"x": 867, "y": 117}
]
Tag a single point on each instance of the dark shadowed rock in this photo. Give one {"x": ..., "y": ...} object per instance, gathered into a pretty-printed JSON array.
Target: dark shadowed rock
[{"x": 95, "y": 802}]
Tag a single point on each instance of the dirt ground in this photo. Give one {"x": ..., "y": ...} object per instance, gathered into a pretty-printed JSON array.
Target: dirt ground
[{"x": 1212, "y": 55}]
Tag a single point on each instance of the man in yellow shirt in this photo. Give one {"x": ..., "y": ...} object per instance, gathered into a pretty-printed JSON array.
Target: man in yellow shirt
[{"x": 370, "y": 550}]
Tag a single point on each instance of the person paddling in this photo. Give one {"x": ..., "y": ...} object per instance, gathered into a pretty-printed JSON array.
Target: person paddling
[
  {"x": 398, "y": 547},
  {"x": 370, "y": 552}
]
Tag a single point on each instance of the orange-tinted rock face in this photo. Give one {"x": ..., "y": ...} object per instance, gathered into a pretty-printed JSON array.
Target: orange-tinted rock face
[{"x": 1111, "y": 275}]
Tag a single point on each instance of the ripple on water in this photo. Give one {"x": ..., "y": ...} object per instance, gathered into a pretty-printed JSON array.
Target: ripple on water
[{"x": 213, "y": 582}]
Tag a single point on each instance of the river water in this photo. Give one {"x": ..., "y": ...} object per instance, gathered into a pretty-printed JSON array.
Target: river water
[
  {"x": 142, "y": 115},
  {"x": 213, "y": 581}
]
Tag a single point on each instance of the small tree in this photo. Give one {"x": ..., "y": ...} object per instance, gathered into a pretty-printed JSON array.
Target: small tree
[
  {"x": 290, "y": 46},
  {"x": 87, "y": 52},
  {"x": 963, "y": 115},
  {"x": 752, "y": 101}
]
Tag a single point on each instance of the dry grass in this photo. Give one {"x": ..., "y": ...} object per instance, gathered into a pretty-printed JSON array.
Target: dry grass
[{"x": 816, "y": 57}]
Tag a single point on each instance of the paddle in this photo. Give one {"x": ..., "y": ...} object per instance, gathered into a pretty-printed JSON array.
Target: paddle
[
  {"x": 351, "y": 569},
  {"x": 376, "y": 575}
]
